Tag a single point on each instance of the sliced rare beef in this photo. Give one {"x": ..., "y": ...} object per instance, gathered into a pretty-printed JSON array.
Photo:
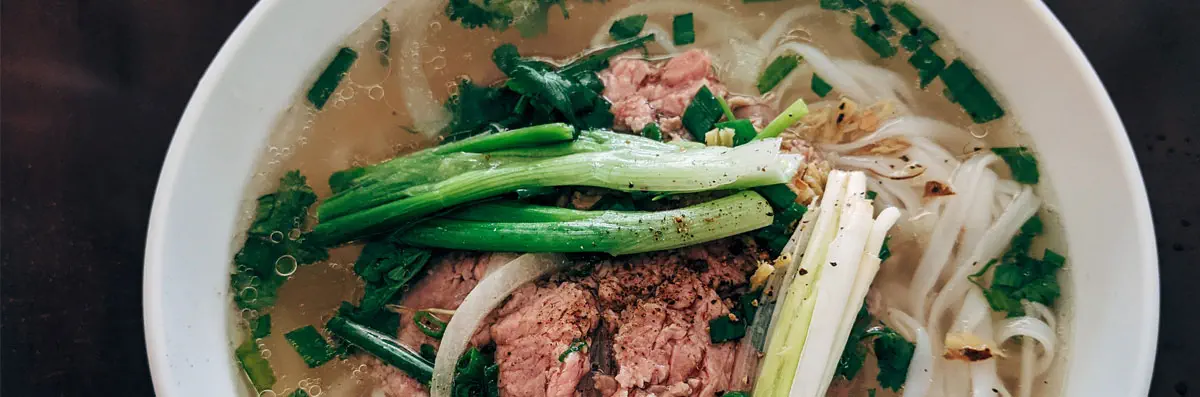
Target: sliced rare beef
[
  {"x": 534, "y": 332},
  {"x": 643, "y": 317},
  {"x": 644, "y": 92}
]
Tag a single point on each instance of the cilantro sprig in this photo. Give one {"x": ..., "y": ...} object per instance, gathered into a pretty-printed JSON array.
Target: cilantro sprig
[{"x": 1018, "y": 276}]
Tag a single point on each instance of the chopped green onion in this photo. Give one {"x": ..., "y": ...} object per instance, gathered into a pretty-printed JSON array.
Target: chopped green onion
[
  {"x": 382, "y": 346},
  {"x": 299, "y": 393},
  {"x": 970, "y": 93},
  {"x": 476, "y": 375},
  {"x": 576, "y": 346},
  {"x": 683, "y": 29},
  {"x": 1022, "y": 163},
  {"x": 928, "y": 64},
  {"x": 257, "y": 368},
  {"x": 627, "y": 27},
  {"x": 877, "y": 41},
  {"x": 871, "y": 194},
  {"x": 780, "y": 196},
  {"x": 791, "y": 115},
  {"x": 880, "y": 17},
  {"x": 652, "y": 131},
  {"x": 885, "y": 252},
  {"x": 723, "y": 329},
  {"x": 329, "y": 79},
  {"x": 820, "y": 86},
  {"x": 743, "y": 130},
  {"x": 735, "y": 394},
  {"x": 841, "y": 4},
  {"x": 904, "y": 15},
  {"x": 927, "y": 36},
  {"x": 261, "y": 326},
  {"x": 429, "y": 324},
  {"x": 700, "y": 115},
  {"x": 725, "y": 109},
  {"x": 428, "y": 352},
  {"x": 776, "y": 71},
  {"x": 313, "y": 347}
]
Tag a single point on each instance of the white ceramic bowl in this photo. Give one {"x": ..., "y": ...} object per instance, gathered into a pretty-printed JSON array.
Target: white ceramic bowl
[{"x": 1022, "y": 49}]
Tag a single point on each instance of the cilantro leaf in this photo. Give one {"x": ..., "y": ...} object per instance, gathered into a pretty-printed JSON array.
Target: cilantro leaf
[
  {"x": 855, "y": 353},
  {"x": 893, "y": 353},
  {"x": 627, "y": 27},
  {"x": 1018, "y": 277},
  {"x": 386, "y": 267},
  {"x": 275, "y": 245}
]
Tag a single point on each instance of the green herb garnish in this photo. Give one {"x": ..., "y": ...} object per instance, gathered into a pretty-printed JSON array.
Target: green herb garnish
[
  {"x": 892, "y": 352},
  {"x": 311, "y": 346},
  {"x": 576, "y": 346},
  {"x": 1018, "y": 276},
  {"x": 476, "y": 374},
  {"x": 966, "y": 90},
  {"x": 429, "y": 324},
  {"x": 652, "y": 131},
  {"x": 701, "y": 113},
  {"x": 257, "y": 368},
  {"x": 528, "y": 16},
  {"x": 683, "y": 29},
  {"x": 873, "y": 38},
  {"x": 880, "y": 18},
  {"x": 820, "y": 86},
  {"x": 329, "y": 79},
  {"x": 841, "y": 5},
  {"x": 275, "y": 245},
  {"x": 627, "y": 27},
  {"x": 385, "y": 347},
  {"x": 1021, "y": 162},
  {"x": 384, "y": 45},
  {"x": 776, "y": 71},
  {"x": 743, "y": 130},
  {"x": 260, "y": 327},
  {"x": 928, "y": 64},
  {"x": 904, "y": 15},
  {"x": 428, "y": 352}
]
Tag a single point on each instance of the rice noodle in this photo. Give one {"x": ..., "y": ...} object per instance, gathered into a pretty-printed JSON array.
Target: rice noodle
[
  {"x": 489, "y": 293},
  {"x": 827, "y": 69},
  {"x": 921, "y": 371},
  {"x": 782, "y": 24}
]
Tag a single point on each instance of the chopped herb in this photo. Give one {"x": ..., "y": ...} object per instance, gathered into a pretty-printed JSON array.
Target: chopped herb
[
  {"x": 260, "y": 327},
  {"x": 475, "y": 109},
  {"x": 855, "y": 353},
  {"x": 780, "y": 196},
  {"x": 627, "y": 27},
  {"x": 528, "y": 16},
  {"x": 880, "y": 17},
  {"x": 787, "y": 214},
  {"x": 871, "y": 194},
  {"x": 777, "y": 71},
  {"x": 923, "y": 37},
  {"x": 1018, "y": 276},
  {"x": 970, "y": 93},
  {"x": 725, "y": 109},
  {"x": 257, "y": 368},
  {"x": 743, "y": 130},
  {"x": 733, "y": 326},
  {"x": 893, "y": 354},
  {"x": 928, "y": 64},
  {"x": 701, "y": 113},
  {"x": 329, "y": 79},
  {"x": 737, "y": 393},
  {"x": 386, "y": 266},
  {"x": 429, "y": 324},
  {"x": 870, "y": 392},
  {"x": 652, "y": 131},
  {"x": 598, "y": 60},
  {"x": 299, "y": 393},
  {"x": 877, "y": 41},
  {"x": 1022, "y": 163},
  {"x": 275, "y": 245},
  {"x": 904, "y": 15},
  {"x": 384, "y": 45},
  {"x": 384, "y": 321},
  {"x": 428, "y": 352},
  {"x": 476, "y": 374},
  {"x": 683, "y": 29},
  {"x": 313, "y": 347},
  {"x": 576, "y": 346},
  {"x": 841, "y": 4},
  {"x": 819, "y": 86}
]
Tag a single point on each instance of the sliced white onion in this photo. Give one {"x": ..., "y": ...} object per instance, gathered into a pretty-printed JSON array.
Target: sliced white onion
[
  {"x": 488, "y": 294},
  {"x": 429, "y": 116}
]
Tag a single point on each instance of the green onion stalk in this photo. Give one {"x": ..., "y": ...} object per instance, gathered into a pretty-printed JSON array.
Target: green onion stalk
[
  {"x": 380, "y": 208},
  {"x": 513, "y": 227}
]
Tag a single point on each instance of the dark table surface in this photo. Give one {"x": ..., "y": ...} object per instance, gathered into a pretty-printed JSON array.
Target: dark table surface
[{"x": 92, "y": 91}]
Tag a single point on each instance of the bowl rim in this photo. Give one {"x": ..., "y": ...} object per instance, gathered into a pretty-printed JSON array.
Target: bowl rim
[{"x": 156, "y": 329}]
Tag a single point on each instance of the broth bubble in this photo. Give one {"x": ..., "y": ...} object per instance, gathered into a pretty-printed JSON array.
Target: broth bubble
[
  {"x": 276, "y": 237},
  {"x": 267, "y": 393},
  {"x": 286, "y": 265}
]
